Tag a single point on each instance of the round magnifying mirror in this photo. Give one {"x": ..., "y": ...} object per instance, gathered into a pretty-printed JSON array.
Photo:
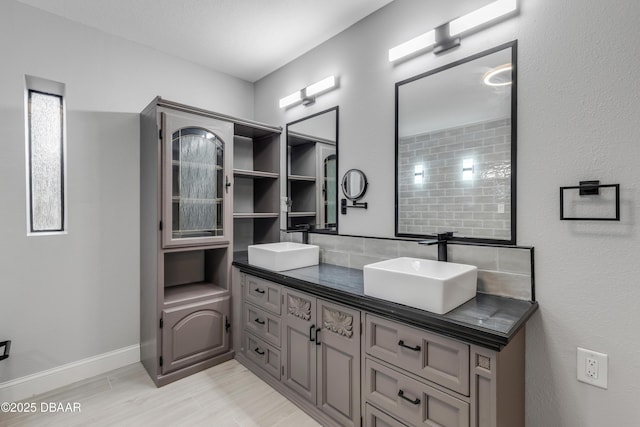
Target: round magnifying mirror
[{"x": 354, "y": 184}]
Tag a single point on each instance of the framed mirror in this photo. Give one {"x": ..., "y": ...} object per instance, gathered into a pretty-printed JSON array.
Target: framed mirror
[
  {"x": 354, "y": 184},
  {"x": 312, "y": 168},
  {"x": 456, "y": 149}
]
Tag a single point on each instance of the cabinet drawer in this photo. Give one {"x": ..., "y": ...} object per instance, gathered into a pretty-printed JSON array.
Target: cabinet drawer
[
  {"x": 262, "y": 324},
  {"x": 412, "y": 401},
  {"x": 430, "y": 356},
  {"x": 263, "y": 293},
  {"x": 376, "y": 418},
  {"x": 264, "y": 355}
]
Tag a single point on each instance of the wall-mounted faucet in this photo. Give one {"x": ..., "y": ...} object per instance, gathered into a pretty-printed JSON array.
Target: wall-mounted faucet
[
  {"x": 441, "y": 241},
  {"x": 304, "y": 229}
]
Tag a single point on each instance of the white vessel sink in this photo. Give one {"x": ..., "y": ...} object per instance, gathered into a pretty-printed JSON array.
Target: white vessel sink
[
  {"x": 283, "y": 255},
  {"x": 425, "y": 284}
]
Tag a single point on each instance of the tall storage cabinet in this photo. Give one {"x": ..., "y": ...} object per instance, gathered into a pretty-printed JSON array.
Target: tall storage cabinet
[
  {"x": 185, "y": 239},
  {"x": 189, "y": 178}
]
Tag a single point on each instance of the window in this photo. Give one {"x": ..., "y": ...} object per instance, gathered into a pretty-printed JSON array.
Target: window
[{"x": 45, "y": 156}]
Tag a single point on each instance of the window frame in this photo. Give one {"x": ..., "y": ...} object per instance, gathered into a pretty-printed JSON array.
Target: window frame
[{"x": 53, "y": 89}]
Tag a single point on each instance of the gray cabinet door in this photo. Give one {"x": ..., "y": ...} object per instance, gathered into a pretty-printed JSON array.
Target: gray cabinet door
[
  {"x": 299, "y": 346},
  {"x": 197, "y": 153},
  {"x": 339, "y": 362},
  {"x": 193, "y": 333}
]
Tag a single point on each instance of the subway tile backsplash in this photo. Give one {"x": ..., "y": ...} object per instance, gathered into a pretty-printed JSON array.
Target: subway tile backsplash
[{"x": 501, "y": 271}]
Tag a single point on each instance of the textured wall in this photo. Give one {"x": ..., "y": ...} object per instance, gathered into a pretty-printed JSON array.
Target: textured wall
[
  {"x": 474, "y": 203},
  {"x": 578, "y": 106}
]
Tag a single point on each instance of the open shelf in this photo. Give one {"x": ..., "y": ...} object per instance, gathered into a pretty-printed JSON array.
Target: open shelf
[
  {"x": 301, "y": 214},
  {"x": 244, "y": 173},
  {"x": 256, "y": 190},
  {"x": 302, "y": 178},
  {"x": 194, "y": 274},
  {"x": 255, "y": 230},
  {"x": 256, "y": 214},
  {"x": 191, "y": 292}
]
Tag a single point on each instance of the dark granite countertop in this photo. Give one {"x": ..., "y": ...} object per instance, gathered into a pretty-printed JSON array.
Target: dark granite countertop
[{"x": 486, "y": 320}]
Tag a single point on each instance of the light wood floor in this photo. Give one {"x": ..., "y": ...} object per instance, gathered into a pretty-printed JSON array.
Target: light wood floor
[{"x": 225, "y": 395}]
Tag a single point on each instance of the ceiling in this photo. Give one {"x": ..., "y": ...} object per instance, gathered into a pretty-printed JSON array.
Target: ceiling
[
  {"x": 244, "y": 38},
  {"x": 458, "y": 97}
]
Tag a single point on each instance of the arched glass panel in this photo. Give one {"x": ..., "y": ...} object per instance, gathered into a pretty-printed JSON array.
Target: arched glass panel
[{"x": 197, "y": 183}]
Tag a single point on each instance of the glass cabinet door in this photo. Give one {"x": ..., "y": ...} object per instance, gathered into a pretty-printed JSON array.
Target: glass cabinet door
[{"x": 196, "y": 152}]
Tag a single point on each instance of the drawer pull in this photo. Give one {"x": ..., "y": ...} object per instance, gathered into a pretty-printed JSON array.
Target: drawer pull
[
  {"x": 260, "y": 352},
  {"x": 258, "y": 321},
  {"x": 258, "y": 290},
  {"x": 317, "y": 340},
  {"x": 402, "y": 344},
  {"x": 311, "y": 328},
  {"x": 415, "y": 401}
]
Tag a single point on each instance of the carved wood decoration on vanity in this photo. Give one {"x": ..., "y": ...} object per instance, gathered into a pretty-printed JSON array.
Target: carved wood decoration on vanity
[
  {"x": 483, "y": 362},
  {"x": 337, "y": 322},
  {"x": 299, "y": 307}
]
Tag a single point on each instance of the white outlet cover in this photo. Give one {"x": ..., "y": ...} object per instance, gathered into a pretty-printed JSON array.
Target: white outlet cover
[{"x": 602, "y": 360}]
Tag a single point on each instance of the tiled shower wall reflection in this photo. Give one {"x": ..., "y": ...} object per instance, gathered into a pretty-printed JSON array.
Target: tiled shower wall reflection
[
  {"x": 501, "y": 271},
  {"x": 458, "y": 177}
]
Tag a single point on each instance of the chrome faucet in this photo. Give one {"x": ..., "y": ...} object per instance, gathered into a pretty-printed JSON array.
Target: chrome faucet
[{"x": 441, "y": 241}]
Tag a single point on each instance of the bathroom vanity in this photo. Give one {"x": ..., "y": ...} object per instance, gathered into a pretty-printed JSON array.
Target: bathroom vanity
[{"x": 349, "y": 359}]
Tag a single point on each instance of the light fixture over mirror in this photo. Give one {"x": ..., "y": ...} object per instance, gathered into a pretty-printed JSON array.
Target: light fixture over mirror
[
  {"x": 312, "y": 167},
  {"x": 307, "y": 95},
  {"x": 456, "y": 149},
  {"x": 447, "y": 35}
]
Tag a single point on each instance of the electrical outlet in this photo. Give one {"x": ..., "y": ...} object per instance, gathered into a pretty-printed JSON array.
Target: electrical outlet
[{"x": 592, "y": 367}]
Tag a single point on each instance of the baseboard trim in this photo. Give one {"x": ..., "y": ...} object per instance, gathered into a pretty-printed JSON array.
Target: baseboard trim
[{"x": 42, "y": 382}]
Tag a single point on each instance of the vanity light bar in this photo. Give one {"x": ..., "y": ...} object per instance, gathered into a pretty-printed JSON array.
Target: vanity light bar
[
  {"x": 481, "y": 16},
  {"x": 291, "y": 99},
  {"x": 416, "y": 44},
  {"x": 454, "y": 28},
  {"x": 307, "y": 95},
  {"x": 321, "y": 86}
]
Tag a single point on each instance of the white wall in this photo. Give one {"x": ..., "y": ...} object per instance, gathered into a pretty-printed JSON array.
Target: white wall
[
  {"x": 69, "y": 297},
  {"x": 578, "y": 106}
]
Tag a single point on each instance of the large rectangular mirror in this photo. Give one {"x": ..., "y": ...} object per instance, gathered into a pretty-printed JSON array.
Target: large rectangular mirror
[
  {"x": 312, "y": 167},
  {"x": 456, "y": 149}
]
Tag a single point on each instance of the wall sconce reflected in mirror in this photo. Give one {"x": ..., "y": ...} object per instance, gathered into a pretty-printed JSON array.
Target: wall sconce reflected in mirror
[
  {"x": 447, "y": 35},
  {"x": 418, "y": 174},
  {"x": 467, "y": 169},
  {"x": 307, "y": 95}
]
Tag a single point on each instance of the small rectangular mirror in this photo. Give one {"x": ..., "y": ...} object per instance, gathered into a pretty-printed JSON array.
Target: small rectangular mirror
[
  {"x": 312, "y": 167},
  {"x": 456, "y": 149}
]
